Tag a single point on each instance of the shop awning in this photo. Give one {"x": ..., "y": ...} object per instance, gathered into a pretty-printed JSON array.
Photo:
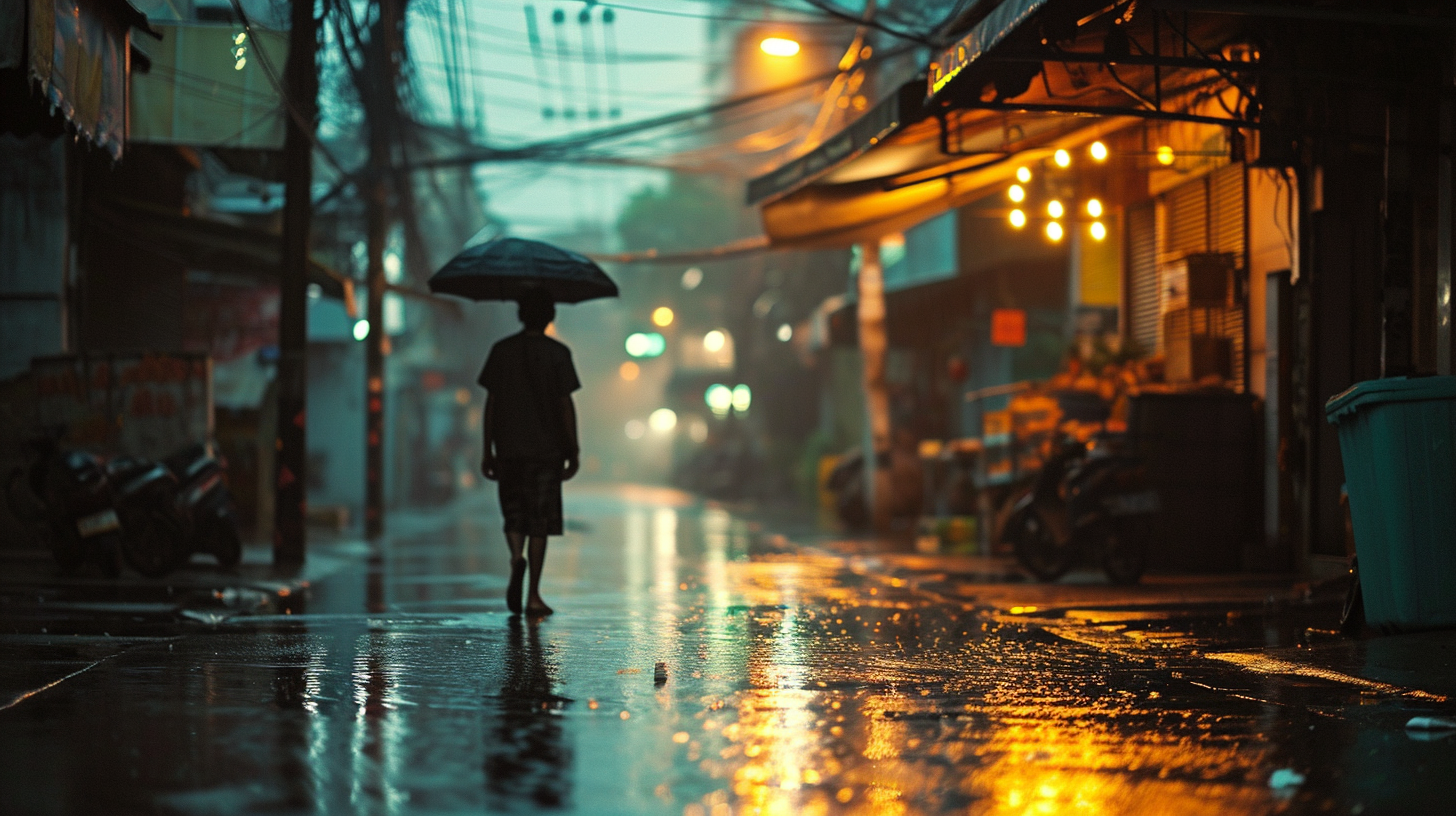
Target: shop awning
[
  {"x": 204, "y": 244},
  {"x": 1029, "y": 78}
]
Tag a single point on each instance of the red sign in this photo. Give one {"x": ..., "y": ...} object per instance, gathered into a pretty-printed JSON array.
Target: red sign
[{"x": 1008, "y": 327}]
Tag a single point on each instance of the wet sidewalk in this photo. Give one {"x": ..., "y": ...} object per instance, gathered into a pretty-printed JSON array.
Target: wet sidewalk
[{"x": 795, "y": 681}]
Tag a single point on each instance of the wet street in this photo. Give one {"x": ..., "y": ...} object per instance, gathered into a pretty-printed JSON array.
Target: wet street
[{"x": 698, "y": 664}]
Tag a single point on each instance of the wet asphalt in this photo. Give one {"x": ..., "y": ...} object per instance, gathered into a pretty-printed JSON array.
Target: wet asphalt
[{"x": 696, "y": 665}]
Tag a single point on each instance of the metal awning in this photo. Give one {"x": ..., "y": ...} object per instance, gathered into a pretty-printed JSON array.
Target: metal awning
[{"x": 1030, "y": 77}]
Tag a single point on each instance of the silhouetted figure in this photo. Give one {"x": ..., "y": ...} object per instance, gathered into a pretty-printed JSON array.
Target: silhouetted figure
[{"x": 530, "y": 439}]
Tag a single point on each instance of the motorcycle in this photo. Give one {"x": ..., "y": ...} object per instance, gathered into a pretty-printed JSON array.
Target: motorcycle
[
  {"x": 154, "y": 531},
  {"x": 205, "y": 503},
  {"x": 1089, "y": 500},
  {"x": 65, "y": 498}
]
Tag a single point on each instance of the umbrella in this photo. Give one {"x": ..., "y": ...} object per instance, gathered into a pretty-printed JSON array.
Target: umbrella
[{"x": 504, "y": 268}]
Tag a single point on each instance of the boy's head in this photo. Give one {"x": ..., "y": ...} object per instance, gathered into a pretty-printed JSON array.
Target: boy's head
[{"x": 536, "y": 309}]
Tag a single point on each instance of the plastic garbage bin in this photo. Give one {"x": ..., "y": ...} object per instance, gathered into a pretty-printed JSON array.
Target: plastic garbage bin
[{"x": 1398, "y": 443}]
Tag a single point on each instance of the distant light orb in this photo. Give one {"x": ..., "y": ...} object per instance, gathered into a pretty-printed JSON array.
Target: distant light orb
[
  {"x": 697, "y": 429},
  {"x": 636, "y": 429},
  {"x": 1017, "y": 193},
  {"x": 662, "y": 316},
  {"x": 662, "y": 420},
  {"x": 1099, "y": 232},
  {"x": 785, "y": 333},
  {"x": 1062, "y": 158},
  {"x": 1054, "y": 231},
  {"x": 691, "y": 278},
  {"x": 719, "y": 398},
  {"x": 714, "y": 341},
  {"x": 1055, "y": 209},
  {"x": 1023, "y": 174},
  {"x": 361, "y": 329},
  {"x": 1098, "y": 151},
  {"x": 240, "y": 64},
  {"x": 1165, "y": 155},
  {"x": 1018, "y": 219},
  {"x": 1094, "y": 208},
  {"x": 779, "y": 46},
  {"x": 742, "y": 398},
  {"x": 629, "y": 371}
]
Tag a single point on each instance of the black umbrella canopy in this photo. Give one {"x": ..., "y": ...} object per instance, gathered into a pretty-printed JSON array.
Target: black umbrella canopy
[{"x": 502, "y": 269}]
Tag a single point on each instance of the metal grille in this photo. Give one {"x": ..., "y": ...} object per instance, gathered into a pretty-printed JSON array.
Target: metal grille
[
  {"x": 1187, "y": 228},
  {"x": 1226, "y": 198},
  {"x": 1143, "y": 320}
]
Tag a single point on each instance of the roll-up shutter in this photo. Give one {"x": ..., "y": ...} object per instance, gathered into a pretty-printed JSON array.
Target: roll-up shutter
[
  {"x": 1142, "y": 271},
  {"x": 1207, "y": 215}
]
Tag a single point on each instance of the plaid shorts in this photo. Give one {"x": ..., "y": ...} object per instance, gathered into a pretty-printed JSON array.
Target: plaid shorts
[{"x": 530, "y": 496}]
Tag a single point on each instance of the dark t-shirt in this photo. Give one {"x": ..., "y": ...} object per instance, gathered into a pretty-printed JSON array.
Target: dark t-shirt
[{"x": 527, "y": 374}]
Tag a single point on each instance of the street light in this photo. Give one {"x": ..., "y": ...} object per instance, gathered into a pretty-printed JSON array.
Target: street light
[
  {"x": 1062, "y": 158},
  {"x": 1094, "y": 208},
  {"x": 1098, "y": 151},
  {"x": 1018, "y": 219},
  {"x": 662, "y": 420},
  {"x": 662, "y": 316},
  {"x": 1017, "y": 193},
  {"x": 1023, "y": 174},
  {"x": 629, "y": 371},
  {"x": 779, "y": 46},
  {"x": 1055, "y": 209},
  {"x": 1099, "y": 232},
  {"x": 1054, "y": 231},
  {"x": 714, "y": 341},
  {"x": 1165, "y": 155}
]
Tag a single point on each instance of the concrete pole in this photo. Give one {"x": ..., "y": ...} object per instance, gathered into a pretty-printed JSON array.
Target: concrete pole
[
  {"x": 300, "y": 80},
  {"x": 872, "y": 345}
]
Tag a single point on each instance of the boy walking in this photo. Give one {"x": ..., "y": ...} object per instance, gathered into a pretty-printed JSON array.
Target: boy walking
[{"x": 530, "y": 440}]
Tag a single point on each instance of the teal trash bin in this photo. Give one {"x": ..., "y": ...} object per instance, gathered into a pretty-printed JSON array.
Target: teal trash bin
[{"x": 1396, "y": 440}]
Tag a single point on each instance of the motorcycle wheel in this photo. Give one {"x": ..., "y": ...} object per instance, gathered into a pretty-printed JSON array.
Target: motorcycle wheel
[
  {"x": 67, "y": 551},
  {"x": 1037, "y": 549},
  {"x": 1126, "y": 554},
  {"x": 153, "y": 542},
  {"x": 108, "y": 557}
]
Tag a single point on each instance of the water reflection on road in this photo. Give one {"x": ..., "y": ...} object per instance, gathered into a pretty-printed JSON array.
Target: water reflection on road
[{"x": 793, "y": 686}]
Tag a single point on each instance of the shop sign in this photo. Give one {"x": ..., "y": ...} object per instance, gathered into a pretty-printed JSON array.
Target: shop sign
[{"x": 1008, "y": 327}]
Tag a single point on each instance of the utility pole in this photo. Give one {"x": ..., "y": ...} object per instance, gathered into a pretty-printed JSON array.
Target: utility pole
[
  {"x": 386, "y": 46},
  {"x": 300, "y": 86}
]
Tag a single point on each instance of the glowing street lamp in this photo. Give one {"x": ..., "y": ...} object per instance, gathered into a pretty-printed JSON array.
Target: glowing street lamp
[
  {"x": 1055, "y": 209},
  {"x": 1017, "y": 193},
  {"x": 1099, "y": 232},
  {"x": 1054, "y": 231},
  {"x": 1023, "y": 174},
  {"x": 1165, "y": 155},
  {"x": 714, "y": 341},
  {"x": 1062, "y": 158},
  {"x": 662, "y": 316},
  {"x": 1018, "y": 219},
  {"x": 1098, "y": 151},
  {"x": 779, "y": 46},
  {"x": 1094, "y": 208}
]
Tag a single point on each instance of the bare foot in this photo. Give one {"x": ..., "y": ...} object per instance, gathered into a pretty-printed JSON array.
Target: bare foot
[
  {"x": 513, "y": 591},
  {"x": 538, "y": 608}
]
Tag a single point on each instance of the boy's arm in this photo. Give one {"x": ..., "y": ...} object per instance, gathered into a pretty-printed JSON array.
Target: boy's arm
[
  {"x": 573, "y": 453},
  {"x": 487, "y": 459}
]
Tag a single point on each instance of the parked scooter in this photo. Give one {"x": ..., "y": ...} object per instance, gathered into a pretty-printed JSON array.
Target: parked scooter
[
  {"x": 1089, "y": 501},
  {"x": 206, "y": 504},
  {"x": 65, "y": 498},
  {"x": 154, "y": 532}
]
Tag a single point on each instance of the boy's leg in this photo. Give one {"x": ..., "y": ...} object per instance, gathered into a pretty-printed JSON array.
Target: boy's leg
[
  {"x": 517, "y": 542},
  {"x": 537, "y": 554}
]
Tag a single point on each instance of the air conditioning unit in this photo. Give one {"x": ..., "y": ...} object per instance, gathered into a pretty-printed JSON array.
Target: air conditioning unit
[{"x": 1200, "y": 280}]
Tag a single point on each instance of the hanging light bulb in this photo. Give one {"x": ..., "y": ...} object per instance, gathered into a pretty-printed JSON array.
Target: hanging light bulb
[
  {"x": 1165, "y": 155},
  {"x": 1055, "y": 209},
  {"x": 1062, "y": 158},
  {"x": 1054, "y": 231},
  {"x": 1017, "y": 193},
  {"x": 1018, "y": 219},
  {"x": 1098, "y": 151},
  {"x": 1099, "y": 231},
  {"x": 1094, "y": 208},
  {"x": 1023, "y": 174}
]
